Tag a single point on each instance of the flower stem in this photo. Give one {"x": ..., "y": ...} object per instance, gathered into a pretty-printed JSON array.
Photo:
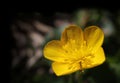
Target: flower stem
[
  {"x": 70, "y": 79},
  {"x": 79, "y": 76},
  {"x": 80, "y": 80}
]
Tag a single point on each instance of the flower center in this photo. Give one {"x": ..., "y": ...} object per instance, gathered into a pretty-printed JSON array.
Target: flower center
[
  {"x": 85, "y": 62},
  {"x": 78, "y": 54}
]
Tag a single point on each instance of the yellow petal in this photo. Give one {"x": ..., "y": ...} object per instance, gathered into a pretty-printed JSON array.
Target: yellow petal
[
  {"x": 53, "y": 51},
  {"x": 64, "y": 68},
  {"x": 72, "y": 33},
  {"x": 98, "y": 59},
  {"x": 93, "y": 36}
]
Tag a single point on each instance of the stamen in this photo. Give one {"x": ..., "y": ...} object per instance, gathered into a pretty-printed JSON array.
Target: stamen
[{"x": 70, "y": 67}]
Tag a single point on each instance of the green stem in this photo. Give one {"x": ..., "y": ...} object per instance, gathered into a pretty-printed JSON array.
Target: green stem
[
  {"x": 80, "y": 80},
  {"x": 79, "y": 75},
  {"x": 70, "y": 79}
]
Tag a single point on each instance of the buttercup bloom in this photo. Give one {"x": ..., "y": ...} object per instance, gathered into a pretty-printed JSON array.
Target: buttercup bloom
[{"x": 76, "y": 50}]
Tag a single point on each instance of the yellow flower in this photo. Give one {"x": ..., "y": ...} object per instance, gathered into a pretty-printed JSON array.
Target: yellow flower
[{"x": 76, "y": 50}]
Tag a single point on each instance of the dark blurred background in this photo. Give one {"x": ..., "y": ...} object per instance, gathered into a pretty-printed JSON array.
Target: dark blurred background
[{"x": 26, "y": 34}]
